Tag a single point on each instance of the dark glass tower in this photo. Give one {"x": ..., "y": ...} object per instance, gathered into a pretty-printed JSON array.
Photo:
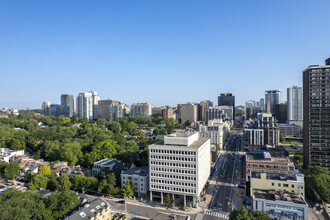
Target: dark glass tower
[{"x": 227, "y": 99}]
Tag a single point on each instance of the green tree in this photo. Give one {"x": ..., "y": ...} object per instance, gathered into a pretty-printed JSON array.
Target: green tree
[
  {"x": 52, "y": 183},
  {"x": 318, "y": 178},
  {"x": 114, "y": 126},
  {"x": 108, "y": 184},
  {"x": 244, "y": 214},
  {"x": 38, "y": 182},
  {"x": 80, "y": 182},
  {"x": 187, "y": 123},
  {"x": 64, "y": 183},
  {"x": 52, "y": 150},
  {"x": 128, "y": 189},
  {"x": 45, "y": 170},
  {"x": 240, "y": 214},
  {"x": 71, "y": 152},
  {"x": 12, "y": 170},
  {"x": 16, "y": 204},
  {"x": 101, "y": 150},
  {"x": 282, "y": 139},
  {"x": 61, "y": 203},
  {"x": 169, "y": 201},
  {"x": 132, "y": 146}
]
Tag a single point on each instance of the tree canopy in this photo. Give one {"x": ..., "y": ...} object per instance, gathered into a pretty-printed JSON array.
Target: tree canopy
[{"x": 318, "y": 178}]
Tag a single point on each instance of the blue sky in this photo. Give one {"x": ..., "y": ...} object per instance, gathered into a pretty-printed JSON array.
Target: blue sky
[{"x": 164, "y": 52}]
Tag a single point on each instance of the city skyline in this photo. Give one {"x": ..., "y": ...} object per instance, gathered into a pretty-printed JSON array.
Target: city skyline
[{"x": 155, "y": 48}]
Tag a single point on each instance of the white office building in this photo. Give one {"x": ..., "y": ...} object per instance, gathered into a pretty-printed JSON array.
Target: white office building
[
  {"x": 216, "y": 130},
  {"x": 295, "y": 103},
  {"x": 179, "y": 166},
  {"x": 143, "y": 109}
]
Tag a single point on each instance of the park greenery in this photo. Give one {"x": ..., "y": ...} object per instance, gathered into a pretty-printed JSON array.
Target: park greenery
[
  {"x": 80, "y": 141},
  {"x": 244, "y": 214},
  {"x": 16, "y": 204},
  {"x": 318, "y": 178}
]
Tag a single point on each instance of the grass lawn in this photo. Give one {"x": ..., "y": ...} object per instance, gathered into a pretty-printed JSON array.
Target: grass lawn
[{"x": 293, "y": 142}]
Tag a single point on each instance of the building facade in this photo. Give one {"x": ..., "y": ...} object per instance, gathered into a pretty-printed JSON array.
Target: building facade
[
  {"x": 139, "y": 179},
  {"x": 167, "y": 112},
  {"x": 142, "y": 109},
  {"x": 117, "y": 111},
  {"x": 55, "y": 110},
  {"x": 272, "y": 98},
  {"x": 87, "y": 105},
  {"x": 281, "y": 112},
  {"x": 219, "y": 112},
  {"x": 227, "y": 99},
  {"x": 203, "y": 107},
  {"x": 179, "y": 165},
  {"x": 67, "y": 105},
  {"x": 45, "y": 108},
  {"x": 316, "y": 115},
  {"x": 270, "y": 134},
  {"x": 262, "y": 161},
  {"x": 279, "y": 204},
  {"x": 188, "y": 112},
  {"x": 295, "y": 103},
  {"x": 278, "y": 182},
  {"x": 216, "y": 130},
  {"x": 253, "y": 137},
  {"x": 104, "y": 108}
]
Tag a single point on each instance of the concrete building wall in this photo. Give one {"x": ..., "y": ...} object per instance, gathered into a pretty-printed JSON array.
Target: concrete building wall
[
  {"x": 203, "y": 165},
  {"x": 188, "y": 112},
  {"x": 295, "y": 103}
]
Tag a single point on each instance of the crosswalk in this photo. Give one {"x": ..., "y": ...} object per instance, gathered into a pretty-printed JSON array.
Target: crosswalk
[{"x": 216, "y": 214}]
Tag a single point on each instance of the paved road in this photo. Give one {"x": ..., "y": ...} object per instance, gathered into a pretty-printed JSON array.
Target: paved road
[{"x": 227, "y": 175}]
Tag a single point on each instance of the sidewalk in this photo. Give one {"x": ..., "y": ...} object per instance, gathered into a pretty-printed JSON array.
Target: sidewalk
[{"x": 157, "y": 205}]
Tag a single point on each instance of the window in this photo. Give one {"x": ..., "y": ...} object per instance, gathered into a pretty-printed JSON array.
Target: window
[
  {"x": 285, "y": 185},
  {"x": 279, "y": 184},
  {"x": 273, "y": 184},
  {"x": 292, "y": 186}
]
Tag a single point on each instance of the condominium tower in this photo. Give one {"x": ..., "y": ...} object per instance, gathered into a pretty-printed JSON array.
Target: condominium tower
[
  {"x": 87, "y": 105},
  {"x": 104, "y": 108},
  {"x": 272, "y": 97},
  {"x": 67, "y": 105},
  {"x": 143, "y": 109},
  {"x": 316, "y": 115},
  {"x": 295, "y": 103}
]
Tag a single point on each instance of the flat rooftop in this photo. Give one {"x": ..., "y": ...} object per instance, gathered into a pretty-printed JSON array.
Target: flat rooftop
[
  {"x": 194, "y": 145},
  {"x": 260, "y": 156},
  {"x": 278, "y": 196},
  {"x": 278, "y": 176}
]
